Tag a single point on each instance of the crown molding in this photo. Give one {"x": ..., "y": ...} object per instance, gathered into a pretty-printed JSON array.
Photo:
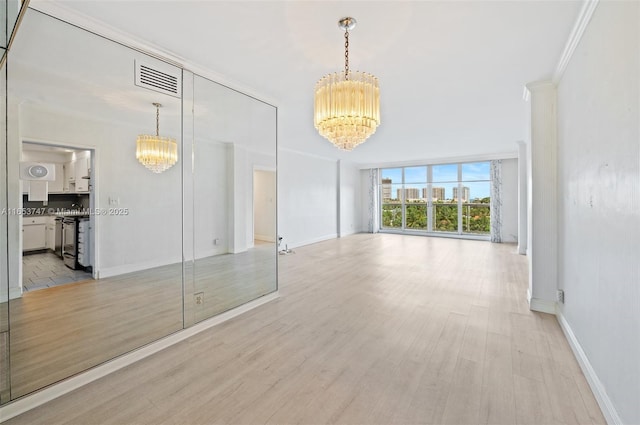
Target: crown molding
[
  {"x": 588, "y": 7},
  {"x": 95, "y": 26}
]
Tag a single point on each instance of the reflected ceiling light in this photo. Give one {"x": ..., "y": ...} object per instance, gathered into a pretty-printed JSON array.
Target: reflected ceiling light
[
  {"x": 154, "y": 152},
  {"x": 347, "y": 104}
]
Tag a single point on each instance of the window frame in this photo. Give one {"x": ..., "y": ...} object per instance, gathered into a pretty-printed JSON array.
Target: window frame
[{"x": 429, "y": 184}]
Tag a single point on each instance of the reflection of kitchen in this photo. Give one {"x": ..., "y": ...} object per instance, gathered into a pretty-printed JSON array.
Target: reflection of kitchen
[{"x": 56, "y": 230}]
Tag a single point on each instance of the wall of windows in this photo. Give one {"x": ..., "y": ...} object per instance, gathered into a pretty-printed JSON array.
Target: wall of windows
[{"x": 446, "y": 198}]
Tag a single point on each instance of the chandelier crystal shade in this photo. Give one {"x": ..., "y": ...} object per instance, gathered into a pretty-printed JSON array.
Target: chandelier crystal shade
[
  {"x": 347, "y": 104},
  {"x": 156, "y": 153}
]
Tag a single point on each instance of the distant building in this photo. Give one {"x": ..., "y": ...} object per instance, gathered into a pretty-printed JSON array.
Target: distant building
[
  {"x": 386, "y": 189},
  {"x": 437, "y": 193},
  {"x": 409, "y": 193},
  {"x": 465, "y": 194}
]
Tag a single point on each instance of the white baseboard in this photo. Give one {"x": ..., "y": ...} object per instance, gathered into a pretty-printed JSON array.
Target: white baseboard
[
  {"x": 15, "y": 292},
  {"x": 311, "y": 241},
  {"x": 212, "y": 252},
  {"x": 350, "y": 232},
  {"x": 45, "y": 395},
  {"x": 543, "y": 306},
  {"x": 608, "y": 410},
  {"x": 130, "y": 268}
]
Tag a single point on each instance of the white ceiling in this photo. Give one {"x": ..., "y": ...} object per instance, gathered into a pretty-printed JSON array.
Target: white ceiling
[{"x": 451, "y": 73}]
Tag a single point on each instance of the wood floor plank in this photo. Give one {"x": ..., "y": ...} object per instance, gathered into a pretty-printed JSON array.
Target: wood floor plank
[
  {"x": 369, "y": 329},
  {"x": 532, "y": 402},
  {"x": 498, "y": 402}
]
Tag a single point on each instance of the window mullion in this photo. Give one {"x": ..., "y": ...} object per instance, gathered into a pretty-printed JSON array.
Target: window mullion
[{"x": 460, "y": 197}]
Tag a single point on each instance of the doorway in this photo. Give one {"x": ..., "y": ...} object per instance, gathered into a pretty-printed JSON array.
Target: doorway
[{"x": 57, "y": 236}]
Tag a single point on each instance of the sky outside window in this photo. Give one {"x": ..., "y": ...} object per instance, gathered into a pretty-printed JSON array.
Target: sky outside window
[
  {"x": 476, "y": 171},
  {"x": 415, "y": 174},
  {"x": 395, "y": 174},
  {"x": 444, "y": 176},
  {"x": 445, "y": 173}
]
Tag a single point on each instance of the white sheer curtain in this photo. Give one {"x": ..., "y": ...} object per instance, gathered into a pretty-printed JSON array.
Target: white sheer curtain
[
  {"x": 496, "y": 201},
  {"x": 374, "y": 225}
]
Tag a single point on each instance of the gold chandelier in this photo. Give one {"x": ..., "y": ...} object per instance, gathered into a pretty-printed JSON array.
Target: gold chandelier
[
  {"x": 156, "y": 153},
  {"x": 347, "y": 104}
]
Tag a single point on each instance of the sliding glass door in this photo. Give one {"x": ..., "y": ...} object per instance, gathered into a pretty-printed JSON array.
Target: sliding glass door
[
  {"x": 449, "y": 199},
  {"x": 444, "y": 204},
  {"x": 476, "y": 198},
  {"x": 391, "y": 198},
  {"x": 415, "y": 197}
]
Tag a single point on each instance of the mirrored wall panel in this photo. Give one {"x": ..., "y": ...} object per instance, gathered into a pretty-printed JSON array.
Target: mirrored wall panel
[
  {"x": 234, "y": 200},
  {"x": 140, "y": 199},
  {"x": 9, "y": 13},
  {"x": 95, "y": 236},
  {"x": 4, "y": 273}
]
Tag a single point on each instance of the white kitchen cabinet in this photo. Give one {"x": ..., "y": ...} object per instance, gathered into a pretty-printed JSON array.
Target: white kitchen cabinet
[
  {"x": 70, "y": 171},
  {"x": 51, "y": 233},
  {"x": 34, "y": 233},
  {"x": 82, "y": 174},
  {"x": 57, "y": 185}
]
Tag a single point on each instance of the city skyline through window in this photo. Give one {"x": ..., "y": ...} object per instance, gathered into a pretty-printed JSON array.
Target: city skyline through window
[
  {"x": 451, "y": 198},
  {"x": 416, "y": 178}
]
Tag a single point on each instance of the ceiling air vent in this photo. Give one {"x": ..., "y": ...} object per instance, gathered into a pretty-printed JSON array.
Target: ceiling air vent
[{"x": 150, "y": 77}]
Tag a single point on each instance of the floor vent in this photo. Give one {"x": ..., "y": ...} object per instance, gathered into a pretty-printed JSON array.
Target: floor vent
[{"x": 155, "y": 79}]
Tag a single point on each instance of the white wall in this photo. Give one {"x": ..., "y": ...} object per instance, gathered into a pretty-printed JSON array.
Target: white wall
[
  {"x": 307, "y": 198},
  {"x": 365, "y": 200},
  {"x": 599, "y": 210},
  {"x": 153, "y": 200},
  {"x": 210, "y": 198},
  {"x": 239, "y": 205},
  {"x": 509, "y": 230},
  {"x": 264, "y": 205},
  {"x": 350, "y": 200}
]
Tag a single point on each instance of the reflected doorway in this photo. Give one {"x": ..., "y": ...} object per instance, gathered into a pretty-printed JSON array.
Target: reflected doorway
[{"x": 57, "y": 226}]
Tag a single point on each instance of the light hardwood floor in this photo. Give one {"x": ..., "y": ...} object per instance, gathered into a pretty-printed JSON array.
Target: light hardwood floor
[
  {"x": 64, "y": 330},
  {"x": 369, "y": 329}
]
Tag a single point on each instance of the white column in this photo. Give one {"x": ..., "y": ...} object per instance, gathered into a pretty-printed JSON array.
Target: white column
[
  {"x": 542, "y": 209},
  {"x": 522, "y": 198}
]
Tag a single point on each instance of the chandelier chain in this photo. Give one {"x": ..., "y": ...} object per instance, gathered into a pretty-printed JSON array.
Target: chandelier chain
[
  {"x": 158, "y": 120},
  {"x": 346, "y": 54}
]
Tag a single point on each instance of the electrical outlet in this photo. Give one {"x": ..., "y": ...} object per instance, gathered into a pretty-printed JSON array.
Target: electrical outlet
[
  {"x": 216, "y": 241},
  {"x": 560, "y": 296},
  {"x": 198, "y": 298}
]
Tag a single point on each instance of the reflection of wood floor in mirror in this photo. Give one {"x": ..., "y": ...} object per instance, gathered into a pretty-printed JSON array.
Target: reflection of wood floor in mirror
[
  {"x": 60, "y": 331},
  {"x": 384, "y": 329},
  {"x": 226, "y": 281}
]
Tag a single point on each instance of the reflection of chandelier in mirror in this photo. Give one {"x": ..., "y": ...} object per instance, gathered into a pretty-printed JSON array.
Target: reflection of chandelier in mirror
[
  {"x": 154, "y": 152},
  {"x": 347, "y": 104}
]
